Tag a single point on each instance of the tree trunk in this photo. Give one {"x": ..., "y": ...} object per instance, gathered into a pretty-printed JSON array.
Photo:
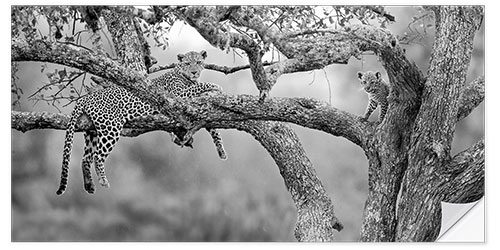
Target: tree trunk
[
  {"x": 413, "y": 143},
  {"x": 420, "y": 204}
]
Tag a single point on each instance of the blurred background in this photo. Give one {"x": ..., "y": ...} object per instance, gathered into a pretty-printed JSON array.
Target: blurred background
[{"x": 160, "y": 192}]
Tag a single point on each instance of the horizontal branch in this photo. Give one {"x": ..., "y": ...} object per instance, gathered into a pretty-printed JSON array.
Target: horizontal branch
[
  {"x": 304, "y": 112},
  {"x": 215, "y": 111},
  {"x": 26, "y": 121},
  {"x": 463, "y": 177}
]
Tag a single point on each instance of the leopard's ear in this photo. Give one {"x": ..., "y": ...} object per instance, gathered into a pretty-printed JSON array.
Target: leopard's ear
[
  {"x": 180, "y": 57},
  {"x": 360, "y": 75},
  {"x": 203, "y": 53},
  {"x": 378, "y": 75}
]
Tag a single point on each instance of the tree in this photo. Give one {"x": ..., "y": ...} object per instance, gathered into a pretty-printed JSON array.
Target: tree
[{"x": 411, "y": 169}]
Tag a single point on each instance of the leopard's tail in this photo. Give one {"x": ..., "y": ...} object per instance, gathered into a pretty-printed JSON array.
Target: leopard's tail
[
  {"x": 68, "y": 143},
  {"x": 218, "y": 143}
]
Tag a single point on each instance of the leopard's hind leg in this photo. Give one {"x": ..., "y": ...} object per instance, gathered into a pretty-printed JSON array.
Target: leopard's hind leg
[
  {"x": 107, "y": 136},
  {"x": 87, "y": 161}
]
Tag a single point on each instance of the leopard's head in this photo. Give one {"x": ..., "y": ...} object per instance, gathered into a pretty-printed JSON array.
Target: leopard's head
[
  {"x": 191, "y": 64},
  {"x": 370, "y": 80}
]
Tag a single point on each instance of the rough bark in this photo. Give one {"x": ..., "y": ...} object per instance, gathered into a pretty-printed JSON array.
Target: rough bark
[
  {"x": 471, "y": 97},
  {"x": 387, "y": 153},
  {"x": 420, "y": 204},
  {"x": 462, "y": 179}
]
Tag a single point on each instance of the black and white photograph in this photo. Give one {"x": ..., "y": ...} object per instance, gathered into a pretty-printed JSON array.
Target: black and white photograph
[{"x": 247, "y": 123}]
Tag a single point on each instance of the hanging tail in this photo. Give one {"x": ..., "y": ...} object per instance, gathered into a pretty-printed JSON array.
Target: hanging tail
[
  {"x": 218, "y": 143},
  {"x": 68, "y": 143}
]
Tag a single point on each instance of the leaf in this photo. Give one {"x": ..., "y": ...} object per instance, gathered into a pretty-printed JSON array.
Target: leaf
[{"x": 62, "y": 73}]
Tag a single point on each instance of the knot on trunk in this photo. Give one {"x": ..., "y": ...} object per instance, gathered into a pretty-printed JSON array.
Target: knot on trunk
[{"x": 316, "y": 221}]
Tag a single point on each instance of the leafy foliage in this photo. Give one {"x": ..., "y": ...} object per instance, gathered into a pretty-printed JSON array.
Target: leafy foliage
[{"x": 160, "y": 27}]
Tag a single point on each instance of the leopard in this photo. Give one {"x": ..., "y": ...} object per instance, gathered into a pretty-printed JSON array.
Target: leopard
[
  {"x": 378, "y": 92},
  {"x": 108, "y": 109}
]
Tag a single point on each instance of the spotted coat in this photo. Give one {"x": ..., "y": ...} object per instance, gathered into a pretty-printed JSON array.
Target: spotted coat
[{"x": 110, "y": 108}]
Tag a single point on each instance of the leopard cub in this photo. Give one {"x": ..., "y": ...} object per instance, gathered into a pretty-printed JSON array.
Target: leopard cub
[{"x": 377, "y": 90}]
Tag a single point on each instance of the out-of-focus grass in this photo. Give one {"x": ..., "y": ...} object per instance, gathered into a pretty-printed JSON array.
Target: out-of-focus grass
[{"x": 149, "y": 200}]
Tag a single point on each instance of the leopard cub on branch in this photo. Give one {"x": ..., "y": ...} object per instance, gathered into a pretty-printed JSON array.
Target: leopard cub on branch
[
  {"x": 377, "y": 90},
  {"x": 110, "y": 108}
]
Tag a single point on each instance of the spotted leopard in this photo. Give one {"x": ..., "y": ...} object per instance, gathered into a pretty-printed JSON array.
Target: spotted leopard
[
  {"x": 110, "y": 108},
  {"x": 377, "y": 90}
]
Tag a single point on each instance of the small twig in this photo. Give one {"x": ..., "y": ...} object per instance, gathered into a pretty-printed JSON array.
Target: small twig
[
  {"x": 68, "y": 83},
  {"x": 74, "y": 23},
  {"x": 382, "y": 12},
  {"x": 40, "y": 89},
  {"x": 274, "y": 22},
  {"x": 313, "y": 72},
  {"x": 329, "y": 87}
]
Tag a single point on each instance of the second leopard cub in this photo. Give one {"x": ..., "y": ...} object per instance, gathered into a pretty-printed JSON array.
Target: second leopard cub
[{"x": 377, "y": 90}]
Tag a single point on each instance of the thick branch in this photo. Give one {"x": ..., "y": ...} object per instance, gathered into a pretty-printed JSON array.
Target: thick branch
[
  {"x": 93, "y": 63},
  {"x": 316, "y": 218},
  {"x": 301, "y": 111},
  {"x": 463, "y": 177},
  {"x": 26, "y": 121},
  {"x": 471, "y": 97}
]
